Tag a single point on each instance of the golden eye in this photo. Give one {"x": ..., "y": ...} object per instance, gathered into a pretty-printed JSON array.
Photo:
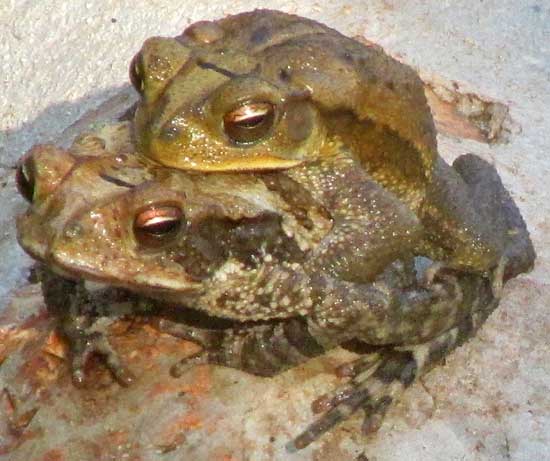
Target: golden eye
[
  {"x": 157, "y": 226},
  {"x": 250, "y": 122},
  {"x": 136, "y": 73},
  {"x": 24, "y": 178}
]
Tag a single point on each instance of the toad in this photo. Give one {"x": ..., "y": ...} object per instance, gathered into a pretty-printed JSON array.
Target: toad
[
  {"x": 241, "y": 247},
  {"x": 285, "y": 179}
]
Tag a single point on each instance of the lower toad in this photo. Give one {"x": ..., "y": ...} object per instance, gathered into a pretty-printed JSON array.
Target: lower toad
[{"x": 241, "y": 248}]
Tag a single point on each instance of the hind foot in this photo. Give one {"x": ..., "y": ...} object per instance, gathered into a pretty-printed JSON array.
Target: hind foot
[{"x": 377, "y": 381}]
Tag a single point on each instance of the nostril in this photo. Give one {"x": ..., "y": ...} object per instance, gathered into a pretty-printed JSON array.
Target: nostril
[{"x": 25, "y": 180}]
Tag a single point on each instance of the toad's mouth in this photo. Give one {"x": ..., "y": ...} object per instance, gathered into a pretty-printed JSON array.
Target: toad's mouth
[
  {"x": 124, "y": 274},
  {"x": 264, "y": 162},
  {"x": 104, "y": 265},
  {"x": 149, "y": 282}
]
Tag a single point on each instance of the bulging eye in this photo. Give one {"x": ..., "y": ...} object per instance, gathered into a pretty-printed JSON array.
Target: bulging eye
[
  {"x": 25, "y": 180},
  {"x": 136, "y": 73},
  {"x": 157, "y": 226},
  {"x": 250, "y": 122}
]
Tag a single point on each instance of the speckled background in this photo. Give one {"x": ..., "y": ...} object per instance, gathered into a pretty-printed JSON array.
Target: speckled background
[{"x": 491, "y": 401}]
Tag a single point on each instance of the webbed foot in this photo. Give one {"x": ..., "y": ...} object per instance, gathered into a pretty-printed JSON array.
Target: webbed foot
[
  {"x": 207, "y": 339},
  {"x": 89, "y": 342},
  {"x": 377, "y": 380},
  {"x": 77, "y": 314}
]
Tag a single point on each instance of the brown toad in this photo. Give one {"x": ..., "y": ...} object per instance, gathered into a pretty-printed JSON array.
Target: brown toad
[
  {"x": 242, "y": 247},
  {"x": 270, "y": 91}
]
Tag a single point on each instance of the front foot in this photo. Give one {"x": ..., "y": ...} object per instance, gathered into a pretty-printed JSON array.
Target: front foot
[
  {"x": 77, "y": 312},
  {"x": 207, "y": 339},
  {"x": 85, "y": 343},
  {"x": 437, "y": 277}
]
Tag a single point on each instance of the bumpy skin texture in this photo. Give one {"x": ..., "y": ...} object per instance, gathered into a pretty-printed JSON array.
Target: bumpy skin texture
[
  {"x": 341, "y": 114},
  {"x": 85, "y": 207},
  {"x": 340, "y": 224},
  {"x": 247, "y": 249}
]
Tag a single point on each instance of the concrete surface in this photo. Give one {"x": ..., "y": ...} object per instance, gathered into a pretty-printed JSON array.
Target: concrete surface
[{"x": 492, "y": 399}]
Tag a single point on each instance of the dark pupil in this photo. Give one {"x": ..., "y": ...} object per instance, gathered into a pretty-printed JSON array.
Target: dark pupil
[
  {"x": 135, "y": 73},
  {"x": 251, "y": 121},
  {"x": 162, "y": 227},
  {"x": 25, "y": 182}
]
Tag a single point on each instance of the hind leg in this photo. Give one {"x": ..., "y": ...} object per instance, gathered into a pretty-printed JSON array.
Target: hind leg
[
  {"x": 497, "y": 208},
  {"x": 393, "y": 310},
  {"x": 471, "y": 221},
  {"x": 261, "y": 349},
  {"x": 376, "y": 388},
  {"x": 378, "y": 379}
]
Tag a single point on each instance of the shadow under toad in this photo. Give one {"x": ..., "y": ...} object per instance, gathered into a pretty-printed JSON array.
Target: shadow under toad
[{"x": 59, "y": 124}]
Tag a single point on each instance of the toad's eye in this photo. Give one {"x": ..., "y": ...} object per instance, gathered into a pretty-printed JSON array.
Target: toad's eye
[
  {"x": 24, "y": 178},
  {"x": 136, "y": 73},
  {"x": 250, "y": 122},
  {"x": 157, "y": 226}
]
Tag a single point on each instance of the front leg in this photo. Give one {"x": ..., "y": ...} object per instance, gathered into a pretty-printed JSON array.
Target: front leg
[
  {"x": 377, "y": 380},
  {"x": 81, "y": 322},
  {"x": 264, "y": 349},
  {"x": 372, "y": 227},
  {"x": 397, "y": 306},
  {"x": 428, "y": 321}
]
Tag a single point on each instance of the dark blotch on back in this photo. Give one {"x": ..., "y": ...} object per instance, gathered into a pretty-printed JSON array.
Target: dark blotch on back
[
  {"x": 260, "y": 35},
  {"x": 220, "y": 70},
  {"x": 299, "y": 199},
  {"x": 170, "y": 132},
  {"x": 116, "y": 181},
  {"x": 347, "y": 57},
  {"x": 213, "y": 240},
  {"x": 284, "y": 75}
]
